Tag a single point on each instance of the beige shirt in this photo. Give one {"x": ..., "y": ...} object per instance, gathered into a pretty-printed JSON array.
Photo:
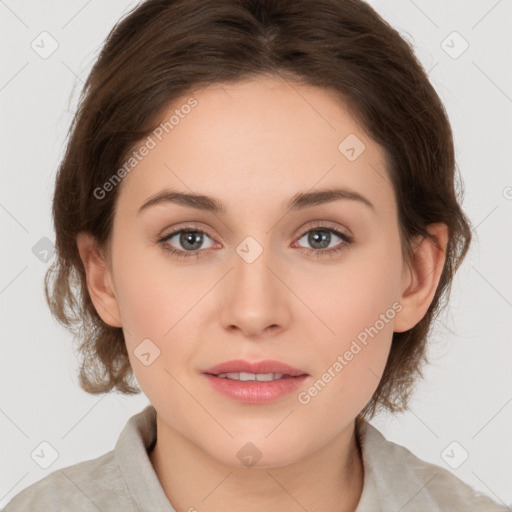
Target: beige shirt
[{"x": 123, "y": 480}]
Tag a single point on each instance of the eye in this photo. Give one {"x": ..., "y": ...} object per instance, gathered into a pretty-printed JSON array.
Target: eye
[
  {"x": 320, "y": 237},
  {"x": 191, "y": 239}
]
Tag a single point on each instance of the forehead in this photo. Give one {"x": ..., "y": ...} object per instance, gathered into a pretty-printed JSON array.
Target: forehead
[{"x": 265, "y": 136}]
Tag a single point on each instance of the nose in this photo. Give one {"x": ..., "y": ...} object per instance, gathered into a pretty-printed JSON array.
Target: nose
[{"x": 256, "y": 299}]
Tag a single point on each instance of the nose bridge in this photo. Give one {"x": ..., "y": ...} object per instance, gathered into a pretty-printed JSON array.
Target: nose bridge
[{"x": 254, "y": 258}]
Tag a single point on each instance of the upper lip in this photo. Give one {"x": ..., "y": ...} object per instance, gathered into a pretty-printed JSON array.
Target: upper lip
[{"x": 266, "y": 366}]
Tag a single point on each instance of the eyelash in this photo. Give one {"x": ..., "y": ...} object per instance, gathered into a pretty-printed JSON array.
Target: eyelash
[{"x": 347, "y": 239}]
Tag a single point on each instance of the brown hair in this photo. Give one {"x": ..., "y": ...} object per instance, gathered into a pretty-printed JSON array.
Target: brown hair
[{"x": 164, "y": 49}]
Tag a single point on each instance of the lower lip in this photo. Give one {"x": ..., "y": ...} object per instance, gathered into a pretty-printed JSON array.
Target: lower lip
[{"x": 254, "y": 391}]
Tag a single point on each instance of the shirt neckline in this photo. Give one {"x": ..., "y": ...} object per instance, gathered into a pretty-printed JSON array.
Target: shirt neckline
[{"x": 138, "y": 438}]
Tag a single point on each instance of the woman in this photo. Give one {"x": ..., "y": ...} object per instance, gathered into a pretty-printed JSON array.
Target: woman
[{"x": 257, "y": 203}]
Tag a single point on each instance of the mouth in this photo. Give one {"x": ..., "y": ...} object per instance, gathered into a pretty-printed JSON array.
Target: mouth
[
  {"x": 255, "y": 382},
  {"x": 246, "y": 376}
]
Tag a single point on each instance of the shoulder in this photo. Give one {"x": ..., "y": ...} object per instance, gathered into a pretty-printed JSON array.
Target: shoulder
[
  {"x": 402, "y": 479},
  {"x": 92, "y": 485}
]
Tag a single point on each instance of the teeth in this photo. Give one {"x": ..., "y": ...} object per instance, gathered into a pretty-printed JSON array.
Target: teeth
[{"x": 243, "y": 376}]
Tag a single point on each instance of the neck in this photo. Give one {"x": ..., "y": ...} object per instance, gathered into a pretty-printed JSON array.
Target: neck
[{"x": 327, "y": 480}]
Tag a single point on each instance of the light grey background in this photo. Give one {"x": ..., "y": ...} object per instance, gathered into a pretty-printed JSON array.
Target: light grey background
[{"x": 467, "y": 392}]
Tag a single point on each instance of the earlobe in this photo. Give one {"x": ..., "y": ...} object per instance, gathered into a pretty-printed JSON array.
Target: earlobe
[
  {"x": 421, "y": 278},
  {"x": 99, "y": 280}
]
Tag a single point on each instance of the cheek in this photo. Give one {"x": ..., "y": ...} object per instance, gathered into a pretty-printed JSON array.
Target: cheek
[
  {"x": 345, "y": 382},
  {"x": 355, "y": 293},
  {"x": 157, "y": 303},
  {"x": 150, "y": 292},
  {"x": 356, "y": 303}
]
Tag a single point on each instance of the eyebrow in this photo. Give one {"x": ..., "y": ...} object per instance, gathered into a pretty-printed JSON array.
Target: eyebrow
[{"x": 299, "y": 201}]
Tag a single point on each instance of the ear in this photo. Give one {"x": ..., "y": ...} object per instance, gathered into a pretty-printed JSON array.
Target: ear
[
  {"x": 420, "y": 280},
  {"x": 99, "y": 280}
]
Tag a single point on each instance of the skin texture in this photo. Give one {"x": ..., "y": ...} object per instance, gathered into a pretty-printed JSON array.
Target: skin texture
[{"x": 253, "y": 145}]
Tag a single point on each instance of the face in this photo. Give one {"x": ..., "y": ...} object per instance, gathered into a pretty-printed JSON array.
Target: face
[{"x": 316, "y": 287}]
